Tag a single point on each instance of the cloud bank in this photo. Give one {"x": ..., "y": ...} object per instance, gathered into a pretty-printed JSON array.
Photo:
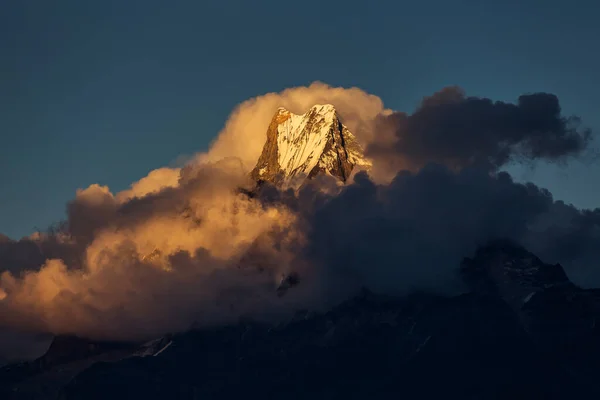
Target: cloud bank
[{"x": 185, "y": 247}]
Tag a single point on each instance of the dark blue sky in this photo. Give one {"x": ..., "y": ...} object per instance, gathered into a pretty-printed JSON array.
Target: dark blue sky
[{"x": 105, "y": 91}]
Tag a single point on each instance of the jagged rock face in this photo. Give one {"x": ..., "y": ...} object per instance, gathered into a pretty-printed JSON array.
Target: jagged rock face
[{"x": 302, "y": 146}]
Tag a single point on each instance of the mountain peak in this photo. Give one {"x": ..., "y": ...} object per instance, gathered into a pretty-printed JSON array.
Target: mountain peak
[
  {"x": 512, "y": 271},
  {"x": 318, "y": 108},
  {"x": 301, "y": 146}
]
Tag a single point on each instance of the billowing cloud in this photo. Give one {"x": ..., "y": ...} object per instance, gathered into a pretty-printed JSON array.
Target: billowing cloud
[
  {"x": 414, "y": 232},
  {"x": 154, "y": 182},
  {"x": 187, "y": 247},
  {"x": 151, "y": 263},
  {"x": 457, "y": 130}
]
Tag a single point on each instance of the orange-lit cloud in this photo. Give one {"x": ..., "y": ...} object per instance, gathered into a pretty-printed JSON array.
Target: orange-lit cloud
[
  {"x": 185, "y": 246},
  {"x": 155, "y": 181},
  {"x": 150, "y": 258}
]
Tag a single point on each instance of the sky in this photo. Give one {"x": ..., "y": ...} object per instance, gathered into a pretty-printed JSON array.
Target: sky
[{"x": 105, "y": 91}]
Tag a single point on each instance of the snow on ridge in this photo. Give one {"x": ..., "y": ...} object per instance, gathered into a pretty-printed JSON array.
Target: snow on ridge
[
  {"x": 528, "y": 297},
  {"x": 302, "y": 138},
  {"x": 164, "y": 348}
]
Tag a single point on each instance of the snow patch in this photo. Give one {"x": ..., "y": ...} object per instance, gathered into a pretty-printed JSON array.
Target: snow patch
[
  {"x": 164, "y": 348},
  {"x": 153, "y": 347},
  {"x": 528, "y": 297}
]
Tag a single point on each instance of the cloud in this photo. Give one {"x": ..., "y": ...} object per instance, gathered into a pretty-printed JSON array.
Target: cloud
[
  {"x": 569, "y": 236},
  {"x": 413, "y": 233},
  {"x": 185, "y": 246},
  {"x": 154, "y": 182},
  {"x": 157, "y": 263},
  {"x": 457, "y": 130}
]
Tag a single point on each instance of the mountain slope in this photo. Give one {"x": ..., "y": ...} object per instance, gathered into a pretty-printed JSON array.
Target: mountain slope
[
  {"x": 302, "y": 146},
  {"x": 67, "y": 356},
  {"x": 422, "y": 346},
  {"x": 496, "y": 342}
]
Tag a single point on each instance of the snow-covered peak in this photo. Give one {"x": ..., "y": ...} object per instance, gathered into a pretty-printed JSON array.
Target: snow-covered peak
[
  {"x": 301, "y": 145},
  {"x": 319, "y": 108}
]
